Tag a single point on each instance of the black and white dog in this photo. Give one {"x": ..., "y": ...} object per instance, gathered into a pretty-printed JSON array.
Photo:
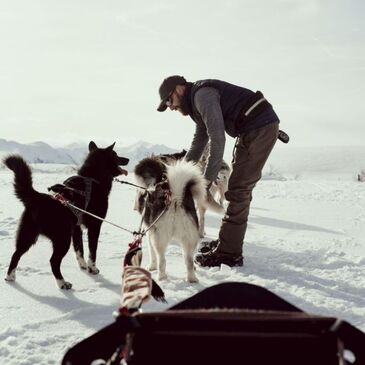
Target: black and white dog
[
  {"x": 44, "y": 215},
  {"x": 215, "y": 196},
  {"x": 174, "y": 191}
]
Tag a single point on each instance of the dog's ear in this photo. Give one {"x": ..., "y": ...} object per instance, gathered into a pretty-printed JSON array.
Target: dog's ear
[
  {"x": 111, "y": 146},
  {"x": 92, "y": 146}
]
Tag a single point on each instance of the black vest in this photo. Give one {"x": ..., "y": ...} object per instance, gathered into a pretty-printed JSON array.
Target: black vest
[{"x": 233, "y": 100}]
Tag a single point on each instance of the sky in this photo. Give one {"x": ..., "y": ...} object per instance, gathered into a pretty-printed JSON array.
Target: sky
[{"x": 76, "y": 70}]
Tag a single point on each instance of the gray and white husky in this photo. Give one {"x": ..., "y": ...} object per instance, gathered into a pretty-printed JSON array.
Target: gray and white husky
[
  {"x": 216, "y": 194},
  {"x": 175, "y": 189}
]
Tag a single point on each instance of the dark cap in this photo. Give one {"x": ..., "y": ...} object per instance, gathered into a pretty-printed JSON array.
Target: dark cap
[{"x": 167, "y": 86}]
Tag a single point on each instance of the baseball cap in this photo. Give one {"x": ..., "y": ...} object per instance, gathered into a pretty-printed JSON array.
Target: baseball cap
[{"x": 166, "y": 88}]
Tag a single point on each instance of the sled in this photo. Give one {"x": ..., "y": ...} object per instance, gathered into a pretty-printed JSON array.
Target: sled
[{"x": 230, "y": 323}]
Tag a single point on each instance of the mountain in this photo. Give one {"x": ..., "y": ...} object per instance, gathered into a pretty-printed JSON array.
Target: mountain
[
  {"x": 141, "y": 149},
  {"x": 41, "y": 152},
  {"x": 35, "y": 152},
  {"x": 284, "y": 159}
]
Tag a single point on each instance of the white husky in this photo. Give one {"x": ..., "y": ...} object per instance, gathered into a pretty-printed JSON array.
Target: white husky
[{"x": 177, "y": 189}]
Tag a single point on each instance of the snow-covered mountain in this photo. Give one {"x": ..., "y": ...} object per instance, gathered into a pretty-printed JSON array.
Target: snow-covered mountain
[
  {"x": 35, "y": 152},
  {"x": 141, "y": 149},
  {"x": 284, "y": 160},
  {"x": 41, "y": 152}
]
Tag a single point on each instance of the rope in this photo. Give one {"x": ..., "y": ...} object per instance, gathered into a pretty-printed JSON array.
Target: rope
[
  {"x": 65, "y": 202},
  {"x": 235, "y": 148},
  {"x": 139, "y": 233},
  {"x": 128, "y": 183},
  {"x": 143, "y": 232},
  {"x": 156, "y": 220}
]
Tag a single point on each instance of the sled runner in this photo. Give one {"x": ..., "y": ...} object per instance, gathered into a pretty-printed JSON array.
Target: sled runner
[{"x": 230, "y": 323}]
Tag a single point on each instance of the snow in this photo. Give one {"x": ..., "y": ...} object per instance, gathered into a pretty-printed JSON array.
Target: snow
[{"x": 305, "y": 242}]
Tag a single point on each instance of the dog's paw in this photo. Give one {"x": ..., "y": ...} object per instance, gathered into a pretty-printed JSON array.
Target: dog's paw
[
  {"x": 162, "y": 276},
  {"x": 201, "y": 232},
  {"x": 82, "y": 263},
  {"x": 11, "y": 276},
  {"x": 62, "y": 284},
  {"x": 192, "y": 279},
  {"x": 151, "y": 267},
  {"x": 93, "y": 270}
]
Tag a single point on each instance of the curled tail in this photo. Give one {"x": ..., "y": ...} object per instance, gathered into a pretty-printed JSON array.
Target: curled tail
[
  {"x": 23, "y": 178},
  {"x": 185, "y": 176}
]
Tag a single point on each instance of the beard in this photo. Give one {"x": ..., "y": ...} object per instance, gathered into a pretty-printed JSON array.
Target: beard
[{"x": 184, "y": 104}]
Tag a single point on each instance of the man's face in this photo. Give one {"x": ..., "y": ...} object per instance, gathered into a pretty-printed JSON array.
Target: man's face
[{"x": 176, "y": 100}]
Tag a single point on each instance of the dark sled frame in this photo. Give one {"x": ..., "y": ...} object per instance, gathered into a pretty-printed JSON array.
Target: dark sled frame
[{"x": 231, "y": 323}]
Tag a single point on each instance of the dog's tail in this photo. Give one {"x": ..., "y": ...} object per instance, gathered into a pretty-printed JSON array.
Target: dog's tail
[
  {"x": 186, "y": 177},
  {"x": 23, "y": 185}
]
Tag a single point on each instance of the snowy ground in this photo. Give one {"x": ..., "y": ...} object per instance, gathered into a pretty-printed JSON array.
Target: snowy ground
[{"x": 305, "y": 242}]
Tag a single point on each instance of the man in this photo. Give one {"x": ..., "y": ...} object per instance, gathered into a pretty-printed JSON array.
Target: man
[{"x": 218, "y": 107}]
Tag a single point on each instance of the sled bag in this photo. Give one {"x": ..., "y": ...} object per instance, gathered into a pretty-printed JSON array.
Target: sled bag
[{"x": 235, "y": 337}]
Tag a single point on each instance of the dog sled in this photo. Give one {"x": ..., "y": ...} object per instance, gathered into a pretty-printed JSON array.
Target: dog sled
[{"x": 230, "y": 323}]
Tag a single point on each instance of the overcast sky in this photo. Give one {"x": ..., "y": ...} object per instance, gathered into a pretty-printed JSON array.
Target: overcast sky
[{"x": 75, "y": 70}]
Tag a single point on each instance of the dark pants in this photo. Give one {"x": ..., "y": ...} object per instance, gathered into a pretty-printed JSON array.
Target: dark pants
[{"x": 251, "y": 152}]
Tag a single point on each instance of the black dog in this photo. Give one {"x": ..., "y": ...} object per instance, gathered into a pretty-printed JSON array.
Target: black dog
[{"x": 44, "y": 215}]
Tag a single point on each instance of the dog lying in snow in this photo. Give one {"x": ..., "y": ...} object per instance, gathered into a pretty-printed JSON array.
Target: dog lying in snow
[{"x": 170, "y": 205}]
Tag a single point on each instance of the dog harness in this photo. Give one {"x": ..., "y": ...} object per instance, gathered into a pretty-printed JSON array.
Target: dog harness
[{"x": 71, "y": 188}]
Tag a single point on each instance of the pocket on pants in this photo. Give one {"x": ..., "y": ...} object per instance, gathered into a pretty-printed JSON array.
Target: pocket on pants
[
  {"x": 265, "y": 134},
  {"x": 247, "y": 138}
]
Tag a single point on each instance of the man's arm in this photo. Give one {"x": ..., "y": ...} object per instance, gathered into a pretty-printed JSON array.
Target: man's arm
[
  {"x": 198, "y": 144},
  {"x": 207, "y": 102}
]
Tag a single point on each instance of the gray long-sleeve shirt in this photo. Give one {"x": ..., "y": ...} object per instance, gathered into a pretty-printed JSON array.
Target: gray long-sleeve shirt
[{"x": 210, "y": 128}]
